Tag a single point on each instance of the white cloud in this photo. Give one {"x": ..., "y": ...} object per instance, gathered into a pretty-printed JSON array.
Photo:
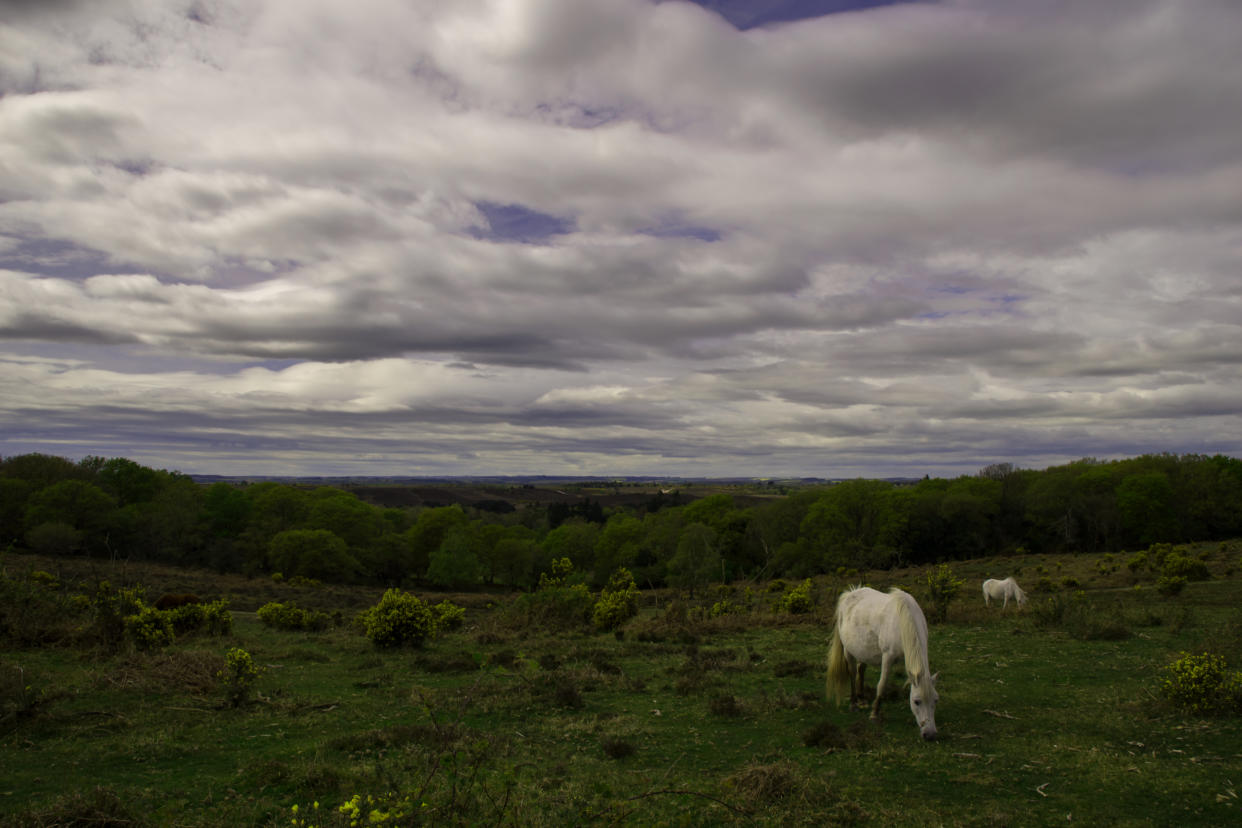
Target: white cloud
[{"x": 921, "y": 237}]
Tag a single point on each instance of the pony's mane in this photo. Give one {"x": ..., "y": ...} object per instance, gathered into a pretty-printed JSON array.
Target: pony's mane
[{"x": 913, "y": 638}]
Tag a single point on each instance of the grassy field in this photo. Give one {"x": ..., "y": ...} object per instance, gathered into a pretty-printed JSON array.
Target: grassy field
[{"x": 1051, "y": 715}]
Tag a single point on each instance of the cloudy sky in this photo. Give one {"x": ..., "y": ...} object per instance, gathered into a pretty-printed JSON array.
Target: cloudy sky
[{"x": 616, "y": 237}]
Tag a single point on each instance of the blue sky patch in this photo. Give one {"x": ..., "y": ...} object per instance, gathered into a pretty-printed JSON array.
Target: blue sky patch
[
  {"x": 750, "y": 14},
  {"x": 513, "y": 222}
]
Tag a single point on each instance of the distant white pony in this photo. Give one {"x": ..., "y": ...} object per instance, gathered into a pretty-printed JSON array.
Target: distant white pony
[
  {"x": 877, "y": 628},
  {"x": 994, "y": 590}
]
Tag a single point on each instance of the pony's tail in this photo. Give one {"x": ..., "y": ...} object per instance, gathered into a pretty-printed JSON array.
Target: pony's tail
[{"x": 838, "y": 683}]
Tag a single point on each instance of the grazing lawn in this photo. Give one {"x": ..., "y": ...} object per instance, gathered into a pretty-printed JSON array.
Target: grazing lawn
[{"x": 1050, "y": 715}]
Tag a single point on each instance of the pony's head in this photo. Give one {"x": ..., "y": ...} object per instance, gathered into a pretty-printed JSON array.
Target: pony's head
[{"x": 923, "y": 698}]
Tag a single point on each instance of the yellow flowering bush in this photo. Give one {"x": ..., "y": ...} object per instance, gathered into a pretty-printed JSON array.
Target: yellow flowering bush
[
  {"x": 398, "y": 619},
  {"x": 149, "y": 628},
  {"x": 798, "y": 600},
  {"x": 238, "y": 676},
  {"x": 1201, "y": 684},
  {"x": 292, "y": 617},
  {"x": 942, "y": 588},
  {"x": 448, "y": 615},
  {"x": 618, "y": 602}
]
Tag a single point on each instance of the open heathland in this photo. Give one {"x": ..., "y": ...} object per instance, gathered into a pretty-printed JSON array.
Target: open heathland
[{"x": 703, "y": 709}]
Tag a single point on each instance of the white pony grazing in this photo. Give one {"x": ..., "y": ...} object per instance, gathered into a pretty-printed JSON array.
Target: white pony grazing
[
  {"x": 877, "y": 628},
  {"x": 994, "y": 590}
]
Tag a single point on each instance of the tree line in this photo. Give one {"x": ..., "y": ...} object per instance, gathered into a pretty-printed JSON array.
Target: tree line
[{"x": 117, "y": 508}]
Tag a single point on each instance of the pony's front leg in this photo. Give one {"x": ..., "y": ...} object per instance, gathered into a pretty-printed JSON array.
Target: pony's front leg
[{"x": 885, "y": 663}]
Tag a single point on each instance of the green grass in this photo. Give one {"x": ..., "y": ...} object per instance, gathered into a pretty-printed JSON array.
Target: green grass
[{"x": 720, "y": 722}]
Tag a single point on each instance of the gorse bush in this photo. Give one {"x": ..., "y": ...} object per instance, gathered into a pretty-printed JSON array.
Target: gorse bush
[
  {"x": 399, "y": 619},
  {"x": 113, "y": 606},
  {"x": 798, "y": 600},
  {"x": 1202, "y": 685},
  {"x": 556, "y": 604},
  {"x": 238, "y": 676},
  {"x": 149, "y": 628},
  {"x": 290, "y": 617},
  {"x": 1177, "y": 565},
  {"x": 448, "y": 616},
  {"x": 618, "y": 602},
  {"x": 561, "y": 567},
  {"x": 558, "y": 608},
  {"x": 942, "y": 588}
]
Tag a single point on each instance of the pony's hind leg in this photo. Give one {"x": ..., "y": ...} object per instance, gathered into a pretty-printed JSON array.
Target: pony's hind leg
[{"x": 857, "y": 688}]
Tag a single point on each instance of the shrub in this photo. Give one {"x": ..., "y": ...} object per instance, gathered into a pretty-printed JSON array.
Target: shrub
[
  {"x": 18, "y": 696},
  {"x": 561, "y": 567},
  {"x": 1170, "y": 585},
  {"x": 448, "y": 615},
  {"x": 554, "y": 607},
  {"x": 291, "y": 617},
  {"x": 32, "y": 615},
  {"x": 112, "y": 607},
  {"x": 44, "y": 579},
  {"x": 399, "y": 619},
  {"x": 149, "y": 628},
  {"x": 618, "y": 602},
  {"x": 942, "y": 588},
  {"x": 1137, "y": 561},
  {"x": 1201, "y": 684},
  {"x": 238, "y": 676},
  {"x": 724, "y": 607},
  {"x": 616, "y": 748},
  {"x": 187, "y": 618},
  {"x": 217, "y": 620},
  {"x": 798, "y": 600},
  {"x": 212, "y": 619},
  {"x": 1177, "y": 565}
]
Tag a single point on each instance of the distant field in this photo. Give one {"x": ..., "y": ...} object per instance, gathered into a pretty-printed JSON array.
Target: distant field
[{"x": 1044, "y": 719}]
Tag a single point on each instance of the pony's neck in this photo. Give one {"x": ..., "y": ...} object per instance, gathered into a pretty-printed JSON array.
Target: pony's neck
[{"x": 913, "y": 640}]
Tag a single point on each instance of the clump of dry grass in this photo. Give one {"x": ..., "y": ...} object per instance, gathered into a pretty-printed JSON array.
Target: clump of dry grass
[
  {"x": 96, "y": 808},
  {"x": 194, "y": 672}
]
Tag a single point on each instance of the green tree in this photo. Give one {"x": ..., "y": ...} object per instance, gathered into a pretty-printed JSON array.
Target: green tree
[
  {"x": 853, "y": 524},
  {"x": 697, "y": 562},
  {"x": 456, "y": 563},
  {"x": 76, "y": 503},
  {"x": 1146, "y": 504},
  {"x": 312, "y": 553},
  {"x": 127, "y": 481},
  {"x": 41, "y": 470},
  {"x": 428, "y": 533},
  {"x": 574, "y": 539},
  {"x": 356, "y": 522},
  {"x": 618, "y": 546}
]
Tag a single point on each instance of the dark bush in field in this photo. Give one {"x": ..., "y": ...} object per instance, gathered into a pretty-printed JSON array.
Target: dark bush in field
[
  {"x": 33, "y": 614},
  {"x": 615, "y": 747},
  {"x": 556, "y": 608}
]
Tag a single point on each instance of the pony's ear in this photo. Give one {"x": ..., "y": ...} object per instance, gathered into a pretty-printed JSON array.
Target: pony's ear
[{"x": 935, "y": 676}]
